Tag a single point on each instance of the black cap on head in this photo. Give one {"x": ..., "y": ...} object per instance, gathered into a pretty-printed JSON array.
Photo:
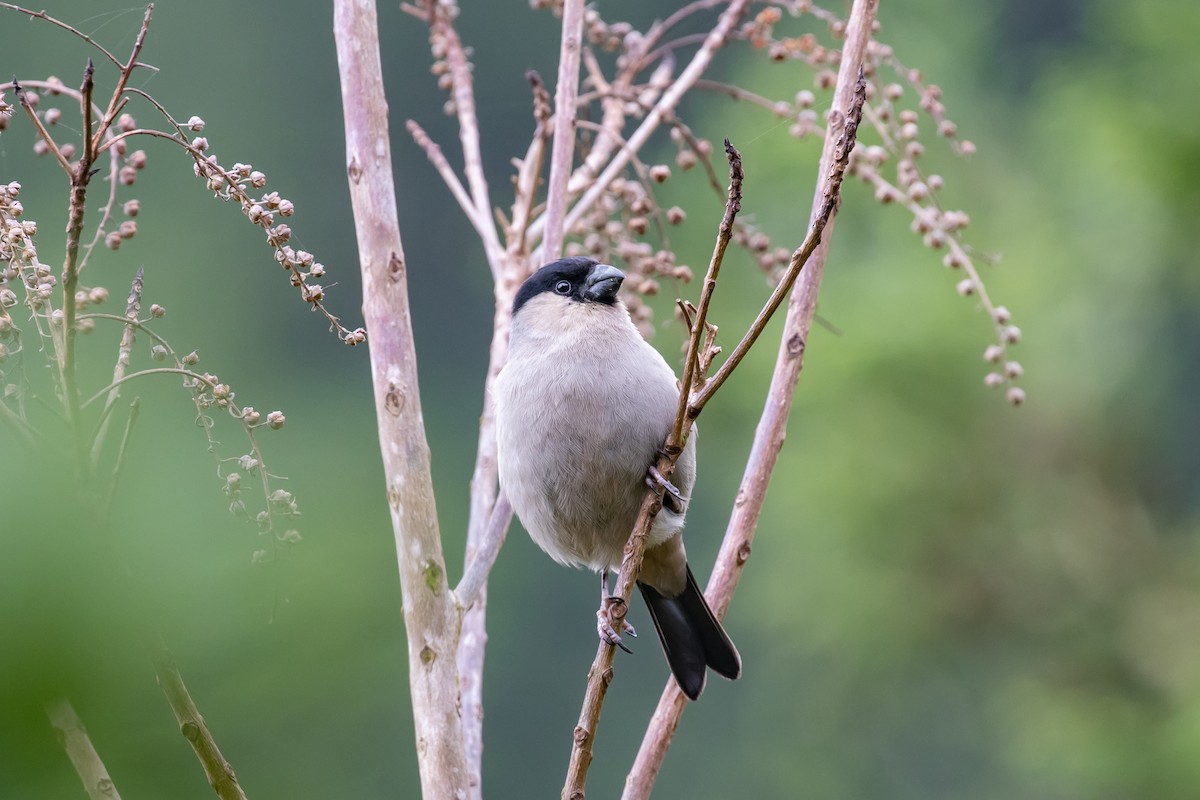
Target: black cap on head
[{"x": 582, "y": 280}]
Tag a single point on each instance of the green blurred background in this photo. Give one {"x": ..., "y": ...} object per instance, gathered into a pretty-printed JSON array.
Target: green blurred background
[{"x": 948, "y": 597}]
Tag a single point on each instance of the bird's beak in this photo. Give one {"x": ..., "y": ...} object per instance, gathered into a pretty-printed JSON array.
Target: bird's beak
[{"x": 602, "y": 283}]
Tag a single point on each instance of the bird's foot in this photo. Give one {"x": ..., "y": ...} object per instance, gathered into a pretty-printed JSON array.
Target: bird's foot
[
  {"x": 673, "y": 499},
  {"x": 605, "y": 617}
]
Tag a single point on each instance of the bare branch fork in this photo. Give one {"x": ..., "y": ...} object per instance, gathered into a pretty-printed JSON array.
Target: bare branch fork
[
  {"x": 769, "y": 435},
  {"x": 696, "y": 391}
]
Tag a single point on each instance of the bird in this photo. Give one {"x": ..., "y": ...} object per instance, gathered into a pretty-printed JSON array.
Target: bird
[{"x": 583, "y": 406}]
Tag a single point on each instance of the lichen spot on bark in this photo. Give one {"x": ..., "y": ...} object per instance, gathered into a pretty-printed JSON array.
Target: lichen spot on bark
[{"x": 433, "y": 577}]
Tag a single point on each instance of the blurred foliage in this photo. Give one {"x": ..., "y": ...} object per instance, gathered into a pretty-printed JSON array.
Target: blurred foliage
[{"x": 949, "y": 598}]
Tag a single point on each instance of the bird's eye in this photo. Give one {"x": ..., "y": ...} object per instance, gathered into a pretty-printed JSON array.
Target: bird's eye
[{"x": 563, "y": 287}]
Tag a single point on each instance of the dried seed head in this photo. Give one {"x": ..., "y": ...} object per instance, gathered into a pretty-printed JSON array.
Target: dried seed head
[
  {"x": 131, "y": 208},
  {"x": 195, "y": 124},
  {"x": 805, "y": 98},
  {"x": 966, "y": 287},
  {"x": 1012, "y": 334},
  {"x": 112, "y": 240},
  {"x": 276, "y": 419},
  {"x": 191, "y": 358},
  {"x": 127, "y": 229},
  {"x": 158, "y": 353},
  {"x": 98, "y": 295},
  {"x": 1001, "y": 315},
  {"x": 157, "y": 311},
  {"x": 1013, "y": 369},
  {"x": 675, "y": 215},
  {"x": 993, "y": 353},
  {"x": 993, "y": 379},
  {"x": 659, "y": 173},
  {"x": 1016, "y": 395},
  {"x": 685, "y": 160}
]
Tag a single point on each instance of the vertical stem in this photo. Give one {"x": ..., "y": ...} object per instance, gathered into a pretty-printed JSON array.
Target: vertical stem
[
  {"x": 772, "y": 425},
  {"x": 431, "y": 618},
  {"x": 563, "y": 151}
]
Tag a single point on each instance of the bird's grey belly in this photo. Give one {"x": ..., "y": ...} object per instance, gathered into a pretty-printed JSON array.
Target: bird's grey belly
[{"x": 574, "y": 469}]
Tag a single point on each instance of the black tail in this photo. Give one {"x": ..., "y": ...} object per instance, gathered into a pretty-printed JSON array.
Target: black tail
[{"x": 691, "y": 637}]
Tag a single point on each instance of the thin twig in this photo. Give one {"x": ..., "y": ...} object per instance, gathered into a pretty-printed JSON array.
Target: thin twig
[
  {"x": 218, "y": 771},
  {"x": 74, "y": 740},
  {"x": 769, "y": 435},
  {"x": 441, "y": 24},
  {"x": 19, "y": 424},
  {"x": 438, "y": 159},
  {"x": 41, "y": 129},
  {"x": 831, "y": 194},
  {"x": 691, "y": 364},
  {"x": 116, "y": 101},
  {"x": 669, "y": 100},
  {"x": 42, "y": 15},
  {"x": 114, "y": 159},
  {"x": 490, "y": 515},
  {"x": 187, "y": 373},
  {"x": 475, "y": 576},
  {"x": 601, "y": 673},
  {"x": 123, "y": 447},
  {"x": 563, "y": 150},
  {"x": 85, "y": 103},
  {"x": 133, "y": 307}
]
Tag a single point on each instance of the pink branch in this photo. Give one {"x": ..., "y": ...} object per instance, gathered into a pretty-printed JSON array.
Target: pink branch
[{"x": 768, "y": 437}]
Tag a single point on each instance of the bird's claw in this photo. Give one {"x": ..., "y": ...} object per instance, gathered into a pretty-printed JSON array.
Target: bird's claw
[
  {"x": 673, "y": 499},
  {"x": 604, "y": 624}
]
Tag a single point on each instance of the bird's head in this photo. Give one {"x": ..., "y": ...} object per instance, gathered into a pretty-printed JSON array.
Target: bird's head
[{"x": 569, "y": 281}]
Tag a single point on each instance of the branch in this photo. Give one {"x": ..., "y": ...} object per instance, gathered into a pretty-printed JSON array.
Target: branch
[
  {"x": 490, "y": 516},
  {"x": 769, "y": 435},
  {"x": 563, "y": 151},
  {"x": 430, "y": 616},
  {"x": 441, "y": 24},
  {"x": 127, "y": 69},
  {"x": 691, "y": 364},
  {"x": 667, "y": 103},
  {"x": 601, "y": 673},
  {"x": 133, "y": 307},
  {"x": 475, "y": 576},
  {"x": 434, "y": 153},
  {"x": 74, "y": 739},
  {"x": 220, "y": 774},
  {"x": 830, "y": 192},
  {"x": 42, "y": 15}
]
